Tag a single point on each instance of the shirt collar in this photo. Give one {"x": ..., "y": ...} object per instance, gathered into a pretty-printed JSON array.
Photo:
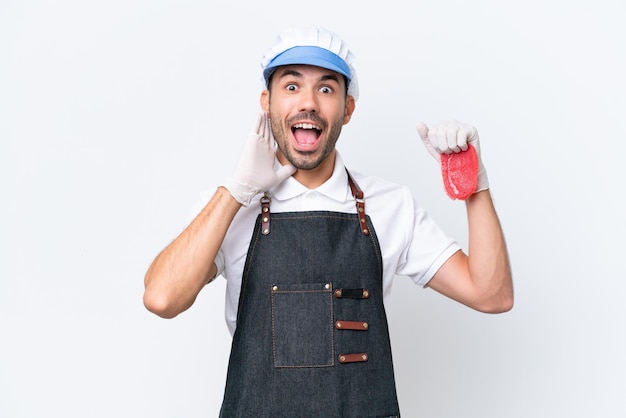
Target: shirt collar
[{"x": 336, "y": 187}]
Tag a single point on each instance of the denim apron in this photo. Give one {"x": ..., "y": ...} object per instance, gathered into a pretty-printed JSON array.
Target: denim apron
[{"x": 311, "y": 337}]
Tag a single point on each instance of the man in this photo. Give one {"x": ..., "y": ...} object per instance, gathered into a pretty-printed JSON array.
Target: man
[{"x": 309, "y": 248}]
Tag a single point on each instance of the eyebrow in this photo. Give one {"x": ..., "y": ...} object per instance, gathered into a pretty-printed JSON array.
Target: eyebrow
[{"x": 297, "y": 74}]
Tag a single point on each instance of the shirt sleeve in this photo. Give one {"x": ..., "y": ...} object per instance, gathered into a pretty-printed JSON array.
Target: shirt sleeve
[{"x": 428, "y": 248}]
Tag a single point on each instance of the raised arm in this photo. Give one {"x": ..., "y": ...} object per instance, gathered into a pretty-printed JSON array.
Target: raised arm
[
  {"x": 482, "y": 278},
  {"x": 181, "y": 270}
]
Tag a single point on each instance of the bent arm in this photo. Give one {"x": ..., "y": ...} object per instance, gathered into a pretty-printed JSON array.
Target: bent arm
[
  {"x": 482, "y": 278},
  {"x": 181, "y": 270}
]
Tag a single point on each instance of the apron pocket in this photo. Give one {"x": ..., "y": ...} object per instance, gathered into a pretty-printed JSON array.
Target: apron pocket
[{"x": 302, "y": 325}]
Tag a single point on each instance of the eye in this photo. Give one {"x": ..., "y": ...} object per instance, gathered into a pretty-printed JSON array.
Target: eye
[
  {"x": 291, "y": 87},
  {"x": 326, "y": 89}
]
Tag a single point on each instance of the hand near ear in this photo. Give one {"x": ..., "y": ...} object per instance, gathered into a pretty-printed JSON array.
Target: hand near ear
[{"x": 255, "y": 172}]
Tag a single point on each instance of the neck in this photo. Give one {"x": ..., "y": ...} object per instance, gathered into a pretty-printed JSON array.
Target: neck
[{"x": 314, "y": 177}]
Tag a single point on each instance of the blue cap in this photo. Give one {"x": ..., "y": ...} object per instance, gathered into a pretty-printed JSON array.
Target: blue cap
[{"x": 308, "y": 55}]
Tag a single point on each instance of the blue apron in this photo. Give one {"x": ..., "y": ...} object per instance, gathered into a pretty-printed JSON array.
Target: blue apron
[{"x": 311, "y": 337}]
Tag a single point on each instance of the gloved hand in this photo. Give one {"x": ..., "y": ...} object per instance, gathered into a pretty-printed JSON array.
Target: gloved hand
[
  {"x": 450, "y": 137},
  {"x": 254, "y": 172}
]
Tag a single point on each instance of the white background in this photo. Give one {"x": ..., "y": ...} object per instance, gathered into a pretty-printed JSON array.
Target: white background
[{"x": 115, "y": 115}]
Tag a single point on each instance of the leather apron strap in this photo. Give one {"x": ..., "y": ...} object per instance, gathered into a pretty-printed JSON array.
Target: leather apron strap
[{"x": 356, "y": 191}]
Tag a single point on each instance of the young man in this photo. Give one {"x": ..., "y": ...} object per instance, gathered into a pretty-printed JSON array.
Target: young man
[{"x": 310, "y": 248}]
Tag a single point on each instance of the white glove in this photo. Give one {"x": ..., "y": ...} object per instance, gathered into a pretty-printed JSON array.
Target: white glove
[
  {"x": 254, "y": 172},
  {"x": 452, "y": 137}
]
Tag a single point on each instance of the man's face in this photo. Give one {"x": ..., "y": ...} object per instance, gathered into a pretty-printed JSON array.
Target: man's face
[{"x": 307, "y": 107}]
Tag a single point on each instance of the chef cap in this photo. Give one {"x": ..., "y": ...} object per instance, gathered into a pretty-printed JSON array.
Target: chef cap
[{"x": 311, "y": 46}]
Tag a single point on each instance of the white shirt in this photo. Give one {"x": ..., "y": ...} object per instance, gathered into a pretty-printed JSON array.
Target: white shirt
[{"x": 411, "y": 243}]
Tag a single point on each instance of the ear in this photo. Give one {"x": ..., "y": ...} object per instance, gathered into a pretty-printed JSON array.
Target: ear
[
  {"x": 265, "y": 101},
  {"x": 349, "y": 109}
]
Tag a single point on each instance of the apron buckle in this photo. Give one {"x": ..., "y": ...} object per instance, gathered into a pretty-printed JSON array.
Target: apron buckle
[{"x": 266, "y": 201}]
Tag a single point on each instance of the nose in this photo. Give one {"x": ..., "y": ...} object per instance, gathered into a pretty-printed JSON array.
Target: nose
[{"x": 308, "y": 100}]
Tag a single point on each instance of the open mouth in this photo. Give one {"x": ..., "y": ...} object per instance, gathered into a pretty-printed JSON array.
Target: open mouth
[{"x": 306, "y": 134}]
